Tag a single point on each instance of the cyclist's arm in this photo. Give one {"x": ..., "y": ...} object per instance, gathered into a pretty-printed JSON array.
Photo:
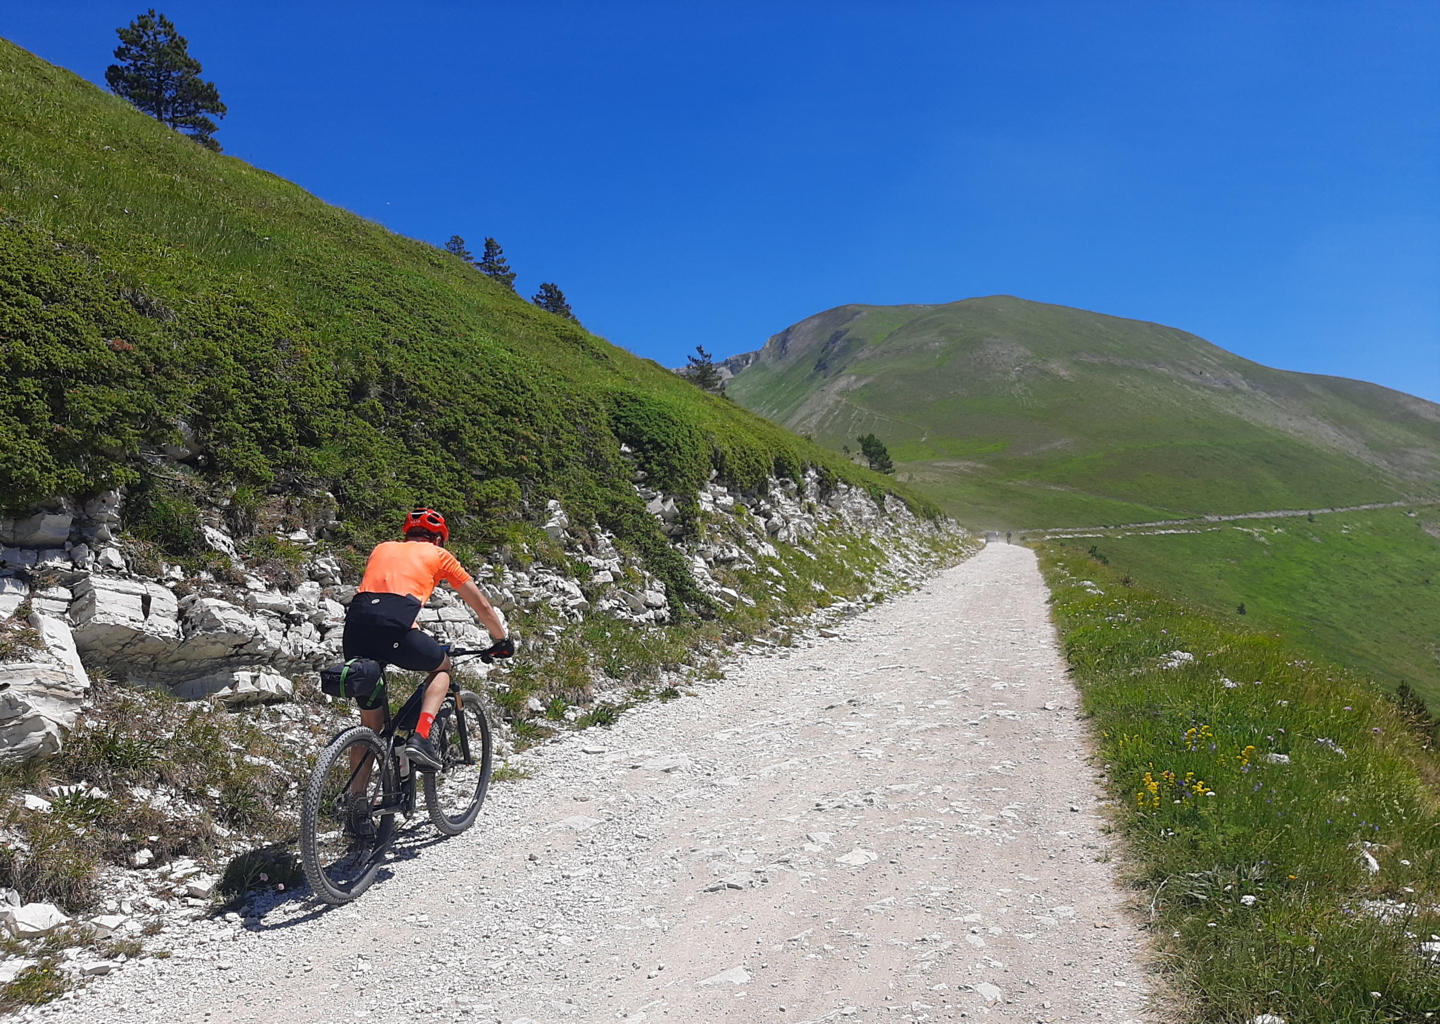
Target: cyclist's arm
[{"x": 487, "y": 613}]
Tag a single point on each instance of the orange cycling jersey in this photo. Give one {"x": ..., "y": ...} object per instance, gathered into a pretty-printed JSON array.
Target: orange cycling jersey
[{"x": 411, "y": 567}]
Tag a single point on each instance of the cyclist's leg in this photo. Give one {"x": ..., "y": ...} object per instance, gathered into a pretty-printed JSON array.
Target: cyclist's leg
[
  {"x": 362, "y": 639},
  {"x": 421, "y": 652},
  {"x": 436, "y": 686},
  {"x": 372, "y": 717}
]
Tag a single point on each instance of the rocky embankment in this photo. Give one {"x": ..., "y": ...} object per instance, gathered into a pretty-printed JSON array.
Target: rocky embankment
[{"x": 93, "y": 612}]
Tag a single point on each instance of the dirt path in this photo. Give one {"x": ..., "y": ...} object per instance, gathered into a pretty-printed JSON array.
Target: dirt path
[
  {"x": 898, "y": 823},
  {"x": 1061, "y": 532}
]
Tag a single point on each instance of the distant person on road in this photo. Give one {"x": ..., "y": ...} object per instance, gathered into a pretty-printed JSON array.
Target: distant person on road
[
  {"x": 381, "y": 622},
  {"x": 1007, "y": 536}
]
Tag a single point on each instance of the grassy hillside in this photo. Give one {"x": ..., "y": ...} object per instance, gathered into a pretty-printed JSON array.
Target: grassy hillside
[
  {"x": 149, "y": 287},
  {"x": 1016, "y": 413},
  {"x": 1361, "y": 588}
]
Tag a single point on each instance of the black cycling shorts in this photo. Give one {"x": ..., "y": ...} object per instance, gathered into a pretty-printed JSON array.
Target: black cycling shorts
[{"x": 381, "y": 627}]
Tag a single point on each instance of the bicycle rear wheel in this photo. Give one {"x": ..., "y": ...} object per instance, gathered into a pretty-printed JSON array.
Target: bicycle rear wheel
[
  {"x": 342, "y": 839},
  {"x": 453, "y": 794}
]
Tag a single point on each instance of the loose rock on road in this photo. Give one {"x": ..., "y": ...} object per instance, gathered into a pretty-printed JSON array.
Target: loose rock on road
[{"x": 898, "y": 823}]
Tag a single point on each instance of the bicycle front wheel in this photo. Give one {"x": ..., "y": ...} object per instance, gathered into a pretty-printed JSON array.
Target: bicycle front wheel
[
  {"x": 453, "y": 794},
  {"x": 342, "y": 838}
]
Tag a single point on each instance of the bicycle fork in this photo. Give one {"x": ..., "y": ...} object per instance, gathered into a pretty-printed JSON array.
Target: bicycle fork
[{"x": 460, "y": 727}]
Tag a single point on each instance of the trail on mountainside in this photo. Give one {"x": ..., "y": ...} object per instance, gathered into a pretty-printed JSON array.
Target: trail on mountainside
[
  {"x": 898, "y": 820},
  {"x": 1062, "y": 532}
]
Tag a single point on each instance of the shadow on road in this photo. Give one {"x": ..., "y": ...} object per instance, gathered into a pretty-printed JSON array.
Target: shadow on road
[{"x": 290, "y": 890}]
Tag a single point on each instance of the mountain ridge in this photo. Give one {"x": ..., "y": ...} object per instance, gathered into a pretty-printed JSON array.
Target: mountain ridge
[{"x": 974, "y": 387}]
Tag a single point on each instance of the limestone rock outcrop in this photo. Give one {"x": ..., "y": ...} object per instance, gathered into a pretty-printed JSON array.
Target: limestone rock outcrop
[
  {"x": 244, "y": 644},
  {"x": 41, "y": 694}
]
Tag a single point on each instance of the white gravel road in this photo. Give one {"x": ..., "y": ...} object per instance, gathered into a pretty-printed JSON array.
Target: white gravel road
[{"x": 897, "y": 824}]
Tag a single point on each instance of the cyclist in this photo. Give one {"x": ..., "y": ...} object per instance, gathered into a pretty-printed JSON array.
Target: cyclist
[{"x": 380, "y": 623}]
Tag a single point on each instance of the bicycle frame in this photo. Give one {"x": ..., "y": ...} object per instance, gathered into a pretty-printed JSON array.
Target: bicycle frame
[{"x": 397, "y": 729}]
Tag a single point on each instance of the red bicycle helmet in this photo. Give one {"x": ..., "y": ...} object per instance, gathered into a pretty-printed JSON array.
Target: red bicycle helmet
[{"x": 430, "y": 521}]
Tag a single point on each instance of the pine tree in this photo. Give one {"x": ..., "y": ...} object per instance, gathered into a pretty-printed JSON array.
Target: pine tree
[
  {"x": 875, "y": 452},
  {"x": 492, "y": 264},
  {"x": 158, "y": 75},
  {"x": 551, "y": 299},
  {"x": 456, "y": 245},
  {"x": 703, "y": 373}
]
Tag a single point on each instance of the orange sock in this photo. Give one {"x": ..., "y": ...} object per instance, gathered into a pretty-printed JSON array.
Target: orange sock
[{"x": 426, "y": 721}]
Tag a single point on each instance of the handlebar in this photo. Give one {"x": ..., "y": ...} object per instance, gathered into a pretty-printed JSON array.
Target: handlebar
[{"x": 501, "y": 649}]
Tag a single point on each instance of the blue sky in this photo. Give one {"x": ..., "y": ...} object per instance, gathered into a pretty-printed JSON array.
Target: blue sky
[{"x": 1266, "y": 175}]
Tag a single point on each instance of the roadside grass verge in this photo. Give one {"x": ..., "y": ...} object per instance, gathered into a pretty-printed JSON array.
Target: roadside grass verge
[{"x": 1280, "y": 814}]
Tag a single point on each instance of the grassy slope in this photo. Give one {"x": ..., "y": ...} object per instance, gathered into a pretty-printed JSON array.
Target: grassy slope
[
  {"x": 1257, "y": 896},
  {"x": 144, "y": 280},
  {"x": 1015, "y": 413},
  {"x": 1361, "y": 588}
]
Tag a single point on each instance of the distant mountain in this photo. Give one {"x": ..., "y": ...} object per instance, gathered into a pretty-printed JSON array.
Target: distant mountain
[{"x": 1012, "y": 412}]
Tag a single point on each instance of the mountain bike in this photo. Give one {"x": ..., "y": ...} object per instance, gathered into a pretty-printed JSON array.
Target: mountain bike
[{"x": 363, "y": 780}]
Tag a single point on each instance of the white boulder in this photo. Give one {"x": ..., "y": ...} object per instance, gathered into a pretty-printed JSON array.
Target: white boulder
[
  {"x": 59, "y": 558},
  {"x": 59, "y": 640},
  {"x": 13, "y": 593},
  {"x": 42, "y": 530},
  {"x": 635, "y": 601},
  {"x": 40, "y": 698},
  {"x": 124, "y": 622},
  {"x": 269, "y": 601},
  {"x": 988, "y": 992},
  {"x": 220, "y": 541},
  {"x": 12, "y": 969},
  {"x": 557, "y": 522},
  {"x": 256, "y": 688},
  {"x": 106, "y": 925},
  {"x": 33, "y": 919},
  {"x": 17, "y": 558}
]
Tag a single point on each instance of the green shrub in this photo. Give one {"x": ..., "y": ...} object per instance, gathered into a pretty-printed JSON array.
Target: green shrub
[
  {"x": 109, "y": 756},
  {"x": 54, "y": 868},
  {"x": 667, "y": 445},
  {"x": 509, "y": 773},
  {"x": 34, "y": 987},
  {"x": 528, "y": 733},
  {"x": 17, "y": 637},
  {"x": 162, "y": 514},
  {"x": 265, "y": 868},
  {"x": 605, "y": 715}
]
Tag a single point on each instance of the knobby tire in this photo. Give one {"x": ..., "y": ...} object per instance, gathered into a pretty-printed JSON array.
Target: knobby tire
[
  {"x": 339, "y": 867},
  {"x": 454, "y": 795}
]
